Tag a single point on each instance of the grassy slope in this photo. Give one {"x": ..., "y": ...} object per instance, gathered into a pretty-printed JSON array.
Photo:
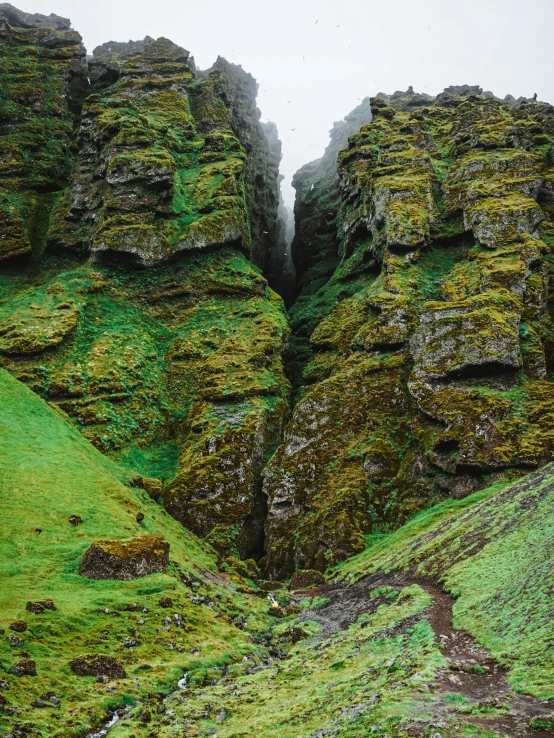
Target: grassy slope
[
  {"x": 355, "y": 681},
  {"x": 47, "y": 473},
  {"x": 494, "y": 552},
  {"x": 373, "y": 677}
]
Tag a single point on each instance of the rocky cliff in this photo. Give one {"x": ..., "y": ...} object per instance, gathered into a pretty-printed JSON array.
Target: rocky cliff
[
  {"x": 422, "y": 351},
  {"x": 141, "y": 161}
]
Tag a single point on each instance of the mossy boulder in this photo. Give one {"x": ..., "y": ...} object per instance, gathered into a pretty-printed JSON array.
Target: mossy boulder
[
  {"x": 40, "y": 606},
  {"x": 98, "y": 665},
  {"x": 131, "y": 559},
  {"x": 25, "y": 667},
  {"x": 305, "y": 578}
]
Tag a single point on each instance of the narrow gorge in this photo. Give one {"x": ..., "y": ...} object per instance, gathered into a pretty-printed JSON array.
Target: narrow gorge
[{"x": 238, "y": 474}]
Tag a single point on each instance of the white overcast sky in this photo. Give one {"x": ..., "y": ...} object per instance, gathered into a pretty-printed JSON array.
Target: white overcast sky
[{"x": 311, "y": 74}]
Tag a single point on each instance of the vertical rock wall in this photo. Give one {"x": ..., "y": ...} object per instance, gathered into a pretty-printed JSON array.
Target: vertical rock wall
[
  {"x": 42, "y": 74},
  {"x": 140, "y": 161},
  {"x": 429, "y": 366}
]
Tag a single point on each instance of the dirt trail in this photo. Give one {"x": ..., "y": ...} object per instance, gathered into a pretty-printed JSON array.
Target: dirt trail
[{"x": 489, "y": 690}]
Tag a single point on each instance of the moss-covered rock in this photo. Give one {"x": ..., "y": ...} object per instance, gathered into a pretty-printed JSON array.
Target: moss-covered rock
[
  {"x": 130, "y": 559},
  {"x": 98, "y": 665},
  {"x": 421, "y": 353},
  {"x": 42, "y": 79},
  {"x": 168, "y": 161}
]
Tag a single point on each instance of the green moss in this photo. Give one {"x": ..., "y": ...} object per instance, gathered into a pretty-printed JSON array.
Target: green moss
[
  {"x": 37, "y": 116},
  {"x": 433, "y": 271}
]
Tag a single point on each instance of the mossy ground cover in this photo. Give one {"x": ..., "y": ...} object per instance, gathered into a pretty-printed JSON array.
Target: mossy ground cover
[
  {"x": 355, "y": 682},
  {"x": 170, "y": 371}
]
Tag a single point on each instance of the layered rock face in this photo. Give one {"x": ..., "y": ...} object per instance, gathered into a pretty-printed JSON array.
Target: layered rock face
[
  {"x": 428, "y": 368},
  {"x": 41, "y": 75},
  {"x": 160, "y": 170},
  {"x": 142, "y": 161}
]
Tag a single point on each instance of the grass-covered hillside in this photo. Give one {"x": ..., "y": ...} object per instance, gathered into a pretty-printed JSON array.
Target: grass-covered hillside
[
  {"x": 49, "y": 473},
  {"x": 493, "y": 552},
  {"x": 363, "y": 652}
]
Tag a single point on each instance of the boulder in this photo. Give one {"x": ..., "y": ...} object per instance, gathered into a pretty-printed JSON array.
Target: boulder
[
  {"x": 152, "y": 487},
  {"x": 130, "y": 559},
  {"x": 25, "y": 667},
  {"x": 297, "y": 634},
  {"x": 97, "y": 665},
  {"x": 40, "y": 606},
  {"x": 305, "y": 578}
]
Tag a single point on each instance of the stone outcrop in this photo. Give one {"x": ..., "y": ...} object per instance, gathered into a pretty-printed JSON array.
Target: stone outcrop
[
  {"x": 427, "y": 372},
  {"x": 167, "y": 160},
  {"x": 42, "y": 74},
  {"x": 305, "y": 578},
  {"x": 131, "y": 559},
  {"x": 280, "y": 269},
  {"x": 142, "y": 232},
  {"x": 19, "y": 19},
  {"x": 137, "y": 159}
]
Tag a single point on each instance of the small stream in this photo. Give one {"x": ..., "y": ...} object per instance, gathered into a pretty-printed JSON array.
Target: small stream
[
  {"x": 117, "y": 715},
  {"x": 111, "y": 722}
]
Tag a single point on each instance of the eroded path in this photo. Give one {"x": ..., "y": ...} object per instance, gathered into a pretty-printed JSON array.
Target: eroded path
[{"x": 473, "y": 680}]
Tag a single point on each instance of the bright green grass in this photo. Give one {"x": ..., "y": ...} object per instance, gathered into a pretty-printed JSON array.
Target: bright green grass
[
  {"x": 494, "y": 552},
  {"x": 47, "y": 473},
  {"x": 354, "y": 682}
]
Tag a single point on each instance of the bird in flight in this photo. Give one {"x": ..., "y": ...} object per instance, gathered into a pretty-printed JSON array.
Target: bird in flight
[{"x": 317, "y": 21}]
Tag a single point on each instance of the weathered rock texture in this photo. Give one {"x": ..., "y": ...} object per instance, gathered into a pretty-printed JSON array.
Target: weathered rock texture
[
  {"x": 142, "y": 161},
  {"x": 167, "y": 160},
  {"x": 97, "y": 665},
  {"x": 428, "y": 368},
  {"x": 131, "y": 559},
  {"x": 141, "y": 199},
  {"x": 41, "y": 77}
]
